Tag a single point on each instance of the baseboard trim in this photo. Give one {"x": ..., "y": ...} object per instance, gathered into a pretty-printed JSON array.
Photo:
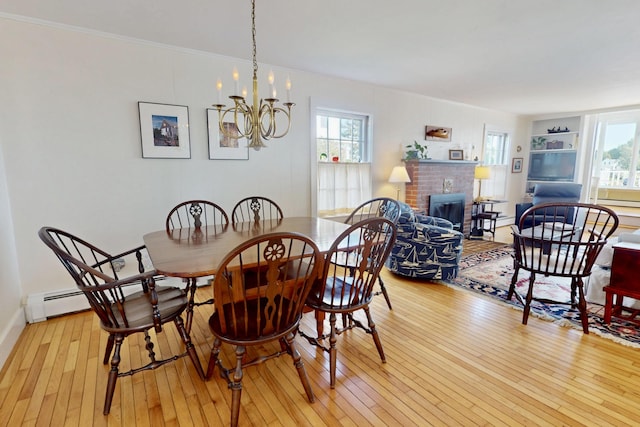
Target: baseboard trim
[{"x": 10, "y": 335}]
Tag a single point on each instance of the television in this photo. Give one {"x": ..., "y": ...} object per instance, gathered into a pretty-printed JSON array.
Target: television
[{"x": 552, "y": 166}]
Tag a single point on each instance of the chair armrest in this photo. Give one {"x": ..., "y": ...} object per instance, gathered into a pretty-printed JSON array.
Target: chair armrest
[
  {"x": 434, "y": 221},
  {"x": 435, "y": 234}
]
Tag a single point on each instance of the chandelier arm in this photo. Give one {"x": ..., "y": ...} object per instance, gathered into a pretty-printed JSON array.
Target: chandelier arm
[
  {"x": 266, "y": 112},
  {"x": 241, "y": 108},
  {"x": 287, "y": 113}
]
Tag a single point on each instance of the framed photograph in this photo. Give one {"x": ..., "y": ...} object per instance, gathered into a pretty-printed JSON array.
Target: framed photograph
[
  {"x": 164, "y": 130},
  {"x": 516, "y": 165},
  {"x": 456, "y": 154},
  {"x": 437, "y": 133},
  {"x": 221, "y": 146}
]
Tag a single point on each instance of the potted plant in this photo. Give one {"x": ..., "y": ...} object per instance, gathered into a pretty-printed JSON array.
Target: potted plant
[{"x": 416, "y": 151}]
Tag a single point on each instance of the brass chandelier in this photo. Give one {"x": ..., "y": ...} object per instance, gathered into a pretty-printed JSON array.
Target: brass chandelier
[{"x": 258, "y": 121}]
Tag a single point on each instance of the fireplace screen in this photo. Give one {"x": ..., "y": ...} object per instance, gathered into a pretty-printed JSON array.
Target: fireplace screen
[{"x": 448, "y": 206}]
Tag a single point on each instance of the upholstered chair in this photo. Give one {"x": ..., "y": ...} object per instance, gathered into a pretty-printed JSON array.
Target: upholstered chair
[
  {"x": 551, "y": 192},
  {"x": 426, "y": 247}
]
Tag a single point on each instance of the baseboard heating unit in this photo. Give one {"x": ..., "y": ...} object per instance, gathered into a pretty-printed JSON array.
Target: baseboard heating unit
[{"x": 50, "y": 304}]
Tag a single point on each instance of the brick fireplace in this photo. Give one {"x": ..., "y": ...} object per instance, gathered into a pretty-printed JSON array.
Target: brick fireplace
[{"x": 428, "y": 177}]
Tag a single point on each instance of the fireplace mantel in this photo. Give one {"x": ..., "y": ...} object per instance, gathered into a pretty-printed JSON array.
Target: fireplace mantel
[
  {"x": 428, "y": 177},
  {"x": 446, "y": 162}
]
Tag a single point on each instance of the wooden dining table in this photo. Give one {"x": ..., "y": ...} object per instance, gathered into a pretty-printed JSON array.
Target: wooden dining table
[{"x": 190, "y": 253}]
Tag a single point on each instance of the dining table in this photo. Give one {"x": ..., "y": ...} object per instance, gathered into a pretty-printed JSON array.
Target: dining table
[{"x": 192, "y": 253}]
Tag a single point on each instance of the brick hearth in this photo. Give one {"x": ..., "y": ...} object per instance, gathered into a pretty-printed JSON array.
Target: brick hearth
[{"x": 428, "y": 177}]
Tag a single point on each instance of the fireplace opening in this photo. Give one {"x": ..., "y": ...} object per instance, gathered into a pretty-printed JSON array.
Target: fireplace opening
[{"x": 449, "y": 206}]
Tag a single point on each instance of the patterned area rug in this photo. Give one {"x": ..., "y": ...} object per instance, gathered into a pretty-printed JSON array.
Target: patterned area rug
[{"x": 489, "y": 273}]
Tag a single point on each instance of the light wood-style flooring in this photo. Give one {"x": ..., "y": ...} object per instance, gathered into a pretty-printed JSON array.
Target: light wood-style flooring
[{"x": 453, "y": 358}]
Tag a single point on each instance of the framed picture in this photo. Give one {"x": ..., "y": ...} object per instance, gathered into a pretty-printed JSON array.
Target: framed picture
[
  {"x": 455, "y": 154},
  {"x": 437, "y": 133},
  {"x": 516, "y": 165},
  {"x": 221, "y": 146},
  {"x": 164, "y": 130}
]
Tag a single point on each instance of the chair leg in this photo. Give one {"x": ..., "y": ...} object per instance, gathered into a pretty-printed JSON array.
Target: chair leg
[
  {"x": 107, "y": 351},
  {"x": 236, "y": 386},
  {"x": 512, "y": 286},
  {"x": 374, "y": 334},
  {"x": 582, "y": 307},
  {"x": 191, "y": 290},
  {"x": 333, "y": 352},
  {"x": 527, "y": 304},
  {"x": 213, "y": 359},
  {"x": 299, "y": 364},
  {"x": 384, "y": 292},
  {"x": 113, "y": 375},
  {"x": 191, "y": 350}
]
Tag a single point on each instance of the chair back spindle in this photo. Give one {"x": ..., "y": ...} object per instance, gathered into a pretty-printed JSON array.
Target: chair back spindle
[
  {"x": 255, "y": 209},
  {"x": 196, "y": 214}
]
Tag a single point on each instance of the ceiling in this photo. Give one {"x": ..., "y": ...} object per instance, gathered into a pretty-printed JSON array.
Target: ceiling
[{"x": 519, "y": 56}]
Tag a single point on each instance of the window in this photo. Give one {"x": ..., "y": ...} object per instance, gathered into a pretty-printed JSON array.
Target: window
[
  {"x": 617, "y": 150},
  {"x": 343, "y": 156},
  {"x": 495, "y": 155}
]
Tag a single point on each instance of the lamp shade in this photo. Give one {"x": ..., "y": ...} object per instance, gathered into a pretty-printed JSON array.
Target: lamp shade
[
  {"x": 399, "y": 174},
  {"x": 482, "y": 172}
]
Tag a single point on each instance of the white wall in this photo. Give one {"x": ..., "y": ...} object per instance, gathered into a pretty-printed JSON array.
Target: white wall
[
  {"x": 11, "y": 316},
  {"x": 71, "y": 138}
]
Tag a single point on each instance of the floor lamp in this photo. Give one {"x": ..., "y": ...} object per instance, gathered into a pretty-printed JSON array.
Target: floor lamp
[{"x": 399, "y": 175}]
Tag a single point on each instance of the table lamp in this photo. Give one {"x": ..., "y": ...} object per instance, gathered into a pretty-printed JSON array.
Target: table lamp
[
  {"x": 481, "y": 172},
  {"x": 399, "y": 174}
]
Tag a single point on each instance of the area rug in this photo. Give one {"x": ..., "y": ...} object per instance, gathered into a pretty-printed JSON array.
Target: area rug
[{"x": 489, "y": 274}]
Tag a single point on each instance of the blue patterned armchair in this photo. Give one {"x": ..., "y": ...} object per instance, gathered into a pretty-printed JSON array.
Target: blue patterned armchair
[{"x": 426, "y": 247}]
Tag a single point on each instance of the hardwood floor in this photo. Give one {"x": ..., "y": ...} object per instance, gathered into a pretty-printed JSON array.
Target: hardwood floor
[{"x": 453, "y": 358}]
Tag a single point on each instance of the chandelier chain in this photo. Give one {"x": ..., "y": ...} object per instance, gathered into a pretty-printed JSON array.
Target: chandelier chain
[{"x": 253, "y": 35}]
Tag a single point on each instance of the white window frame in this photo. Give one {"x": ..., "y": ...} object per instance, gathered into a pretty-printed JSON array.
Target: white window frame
[
  {"x": 363, "y": 168},
  {"x": 498, "y": 162},
  {"x": 632, "y": 175}
]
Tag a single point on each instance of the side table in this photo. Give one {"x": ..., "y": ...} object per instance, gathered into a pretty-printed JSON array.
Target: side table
[
  {"x": 624, "y": 282},
  {"x": 484, "y": 218}
]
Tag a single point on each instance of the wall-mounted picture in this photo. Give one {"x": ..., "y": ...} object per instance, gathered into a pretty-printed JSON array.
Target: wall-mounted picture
[
  {"x": 516, "y": 165},
  {"x": 225, "y": 145},
  {"x": 437, "y": 133},
  {"x": 164, "y": 130},
  {"x": 456, "y": 154}
]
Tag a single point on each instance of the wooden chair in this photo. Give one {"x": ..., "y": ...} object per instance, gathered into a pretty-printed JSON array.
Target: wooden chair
[
  {"x": 565, "y": 243},
  {"x": 196, "y": 214},
  {"x": 122, "y": 310},
  {"x": 255, "y": 309},
  {"x": 341, "y": 292},
  {"x": 383, "y": 207},
  {"x": 199, "y": 218},
  {"x": 255, "y": 208}
]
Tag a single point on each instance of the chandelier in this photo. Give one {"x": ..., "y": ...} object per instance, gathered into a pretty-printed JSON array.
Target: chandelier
[{"x": 257, "y": 121}]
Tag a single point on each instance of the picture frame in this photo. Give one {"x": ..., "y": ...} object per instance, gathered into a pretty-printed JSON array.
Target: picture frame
[
  {"x": 437, "y": 133},
  {"x": 222, "y": 147},
  {"x": 164, "y": 131},
  {"x": 456, "y": 154},
  {"x": 516, "y": 165}
]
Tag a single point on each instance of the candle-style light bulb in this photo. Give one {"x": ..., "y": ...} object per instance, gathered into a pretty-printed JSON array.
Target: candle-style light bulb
[
  {"x": 271, "y": 79},
  {"x": 236, "y": 81},
  {"x": 244, "y": 91},
  {"x": 219, "y": 89},
  {"x": 288, "y": 86}
]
